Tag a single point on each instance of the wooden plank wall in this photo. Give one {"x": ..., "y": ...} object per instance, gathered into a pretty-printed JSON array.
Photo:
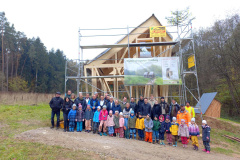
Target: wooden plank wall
[{"x": 214, "y": 110}]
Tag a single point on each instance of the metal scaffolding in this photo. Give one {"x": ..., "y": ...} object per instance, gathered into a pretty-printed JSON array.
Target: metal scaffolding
[{"x": 180, "y": 48}]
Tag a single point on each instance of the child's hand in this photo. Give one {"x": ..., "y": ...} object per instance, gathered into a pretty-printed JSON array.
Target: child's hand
[
  {"x": 166, "y": 130},
  {"x": 82, "y": 119},
  {"x": 197, "y": 135},
  {"x": 90, "y": 119},
  {"x": 68, "y": 119},
  {"x": 76, "y": 120},
  {"x": 207, "y": 137}
]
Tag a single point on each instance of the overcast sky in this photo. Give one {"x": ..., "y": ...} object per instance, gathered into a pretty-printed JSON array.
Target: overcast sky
[{"x": 56, "y": 22}]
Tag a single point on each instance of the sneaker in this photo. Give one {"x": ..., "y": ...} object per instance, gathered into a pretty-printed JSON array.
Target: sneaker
[
  {"x": 174, "y": 145},
  {"x": 57, "y": 128},
  {"x": 196, "y": 148},
  {"x": 88, "y": 131},
  {"x": 163, "y": 143},
  {"x": 204, "y": 150},
  {"x": 208, "y": 152},
  {"x": 183, "y": 146},
  {"x": 104, "y": 134},
  {"x": 52, "y": 127},
  {"x": 101, "y": 134},
  {"x": 64, "y": 130}
]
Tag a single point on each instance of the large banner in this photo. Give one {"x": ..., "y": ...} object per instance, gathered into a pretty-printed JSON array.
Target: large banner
[{"x": 152, "y": 71}]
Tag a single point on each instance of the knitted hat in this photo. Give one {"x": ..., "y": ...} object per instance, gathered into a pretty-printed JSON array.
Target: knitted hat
[
  {"x": 193, "y": 120},
  {"x": 121, "y": 114},
  {"x": 116, "y": 111},
  {"x": 98, "y": 107},
  {"x": 148, "y": 115},
  {"x": 132, "y": 112},
  {"x": 104, "y": 106},
  {"x": 110, "y": 111},
  {"x": 79, "y": 105},
  {"x": 204, "y": 121},
  {"x": 167, "y": 117},
  {"x": 174, "y": 118},
  {"x": 74, "y": 105},
  {"x": 156, "y": 116},
  {"x": 162, "y": 97},
  {"x": 182, "y": 120}
]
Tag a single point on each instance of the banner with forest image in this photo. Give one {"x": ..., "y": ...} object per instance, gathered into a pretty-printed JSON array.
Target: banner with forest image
[{"x": 152, "y": 71}]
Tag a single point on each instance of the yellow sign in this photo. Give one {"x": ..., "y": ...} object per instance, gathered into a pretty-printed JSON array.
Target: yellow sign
[
  {"x": 191, "y": 61},
  {"x": 157, "y": 31}
]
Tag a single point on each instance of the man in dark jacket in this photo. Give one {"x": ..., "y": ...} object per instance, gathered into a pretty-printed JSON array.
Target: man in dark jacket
[
  {"x": 110, "y": 105},
  {"x": 133, "y": 105},
  {"x": 146, "y": 108},
  {"x": 140, "y": 104},
  {"x": 164, "y": 107},
  {"x": 174, "y": 108},
  {"x": 94, "y": 103},
  {"x": 102, "y": 102},
  {"x": 82, "y": 101},
  {"x": 56, "y": 104},
  {"x": 156, "y": 110},
  {"x": 116, "y": 107}
]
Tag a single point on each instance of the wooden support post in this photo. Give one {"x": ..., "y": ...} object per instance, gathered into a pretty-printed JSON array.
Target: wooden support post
[
  {"x": 103, "y": 85},
  {"x": 94, "y": 81},
  {"x": 85, "y": 74},
  {"x": 137, "y": 94}
]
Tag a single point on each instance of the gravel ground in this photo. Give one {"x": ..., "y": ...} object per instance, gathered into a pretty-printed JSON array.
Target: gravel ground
[{"x": 112, "y": 147}]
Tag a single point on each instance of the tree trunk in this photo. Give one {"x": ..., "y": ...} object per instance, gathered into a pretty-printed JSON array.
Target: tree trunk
[
  {"x": 232, "y": 94},
  {"x": 12, "y": 67},
  {"x": 23, "y": 65}
]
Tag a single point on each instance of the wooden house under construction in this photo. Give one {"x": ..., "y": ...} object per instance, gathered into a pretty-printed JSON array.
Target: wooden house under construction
[{"x": 115, "y": 67}]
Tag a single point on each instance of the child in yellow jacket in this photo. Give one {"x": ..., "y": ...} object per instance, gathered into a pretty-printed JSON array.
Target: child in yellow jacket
[
  {"x": 174, "y": 131},
  {"x": 140, "y": 127}
]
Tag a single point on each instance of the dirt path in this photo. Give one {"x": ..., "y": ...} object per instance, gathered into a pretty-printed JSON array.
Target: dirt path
[{"x": 114, "y": 147}]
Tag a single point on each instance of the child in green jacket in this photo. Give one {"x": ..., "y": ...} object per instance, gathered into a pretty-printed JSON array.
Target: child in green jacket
[{"x": 156, "y": 126}]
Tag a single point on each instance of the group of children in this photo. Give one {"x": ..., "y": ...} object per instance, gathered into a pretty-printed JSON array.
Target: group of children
[{"x": 126, "y": 126}]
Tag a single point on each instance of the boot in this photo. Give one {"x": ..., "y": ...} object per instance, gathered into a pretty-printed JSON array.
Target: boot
[
  {"x": 194, "y": 147},
  {"x": 176, "y": 144},
  {"x": 52, "y": 127},
  {"x": 163, "y": 143},
  {"x": 130, "y": 136},
  {"x": 153, "y": 142}
]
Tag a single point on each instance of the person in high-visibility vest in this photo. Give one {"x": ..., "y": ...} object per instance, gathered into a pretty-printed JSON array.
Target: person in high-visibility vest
[{"x": 190, "y": 110}]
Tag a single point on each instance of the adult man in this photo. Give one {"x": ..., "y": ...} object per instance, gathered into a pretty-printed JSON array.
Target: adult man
[
  {"x": 56, "y": 104},
  {"x": 127, "y": 110},
  {"x": 69, "y": 93},
  {"x": 110, "y": 105},
  {"x": 87, "y": 98},
  {"x": 152, "y": 101},
  {"x": 96, "y": 95},
  {"x": 133, "y": 105},
  {"x": 94, "y": 103},
  {"x": 140, "y": 104},
  {"x": 183, "y": 114},
  {"x": 146, "y": 108},
  {"x": 80, "y": 100},
  {"x": 190, "y": 110},
  {"x": 116, "y": 107},
  {"x": 123, "y": 104},
  {"x": 106, "y": 97},
  {"x": 164, "y": 107},
  {"x": 102, "y": 102},
  {"x": 174, "y": 108}
]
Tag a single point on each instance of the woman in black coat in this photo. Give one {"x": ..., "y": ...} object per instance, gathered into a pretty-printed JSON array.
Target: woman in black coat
[
  {"x": 67, "y": 106},
  {"x": 156, "y": 110}
]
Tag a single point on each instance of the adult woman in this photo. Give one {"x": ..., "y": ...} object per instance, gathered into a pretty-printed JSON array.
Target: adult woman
[{"x": 67, "y": 105}]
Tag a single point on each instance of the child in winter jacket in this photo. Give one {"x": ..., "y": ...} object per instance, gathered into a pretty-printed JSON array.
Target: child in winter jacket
[
  {"x": 103, "y": 120},
  {"x": 206, "y": 136},
  {"x": 140, "y": 126},
  {"x": 71, "y": 118},
  {"x": 183, "y": 133},
  {"x": 126, "y": 128},
  {"x": 88, "y": 115},
  {"x": 132, "y": 124},
  {"x": 96, "y": 120},
  {"x": 116, "y": 122},
  {"x": 168, "y": 132},
  {"x": 156, "y": 126},
  {"x": 174, "y": 131},
  {"x": 194, "y": 133},
  {"x": 79, "y": 118},
  {"x": 110, "y": 124},
  {"x": 148, "y": 123},
  {"x": 162, "y": 129},
  {"x": 121, "y": 125}
]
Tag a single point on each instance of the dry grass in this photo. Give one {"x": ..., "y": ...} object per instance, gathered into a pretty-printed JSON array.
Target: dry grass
[{"x": 10, "y": 98}]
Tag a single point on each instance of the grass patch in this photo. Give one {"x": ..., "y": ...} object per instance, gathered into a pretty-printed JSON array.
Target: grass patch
[
  {"x": 17, "y": 119},
  {"x": 223, "y": 151}
]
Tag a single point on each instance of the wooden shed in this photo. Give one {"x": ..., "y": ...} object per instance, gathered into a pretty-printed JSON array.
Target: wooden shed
[{"x": 209, "y": 105}]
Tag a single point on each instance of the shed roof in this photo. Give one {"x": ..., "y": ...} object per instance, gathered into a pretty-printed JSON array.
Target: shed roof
[{"x": 205, "y": 102}]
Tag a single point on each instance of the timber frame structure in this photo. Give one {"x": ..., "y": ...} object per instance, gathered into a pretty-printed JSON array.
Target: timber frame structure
[{"x": 107, "y": 69}]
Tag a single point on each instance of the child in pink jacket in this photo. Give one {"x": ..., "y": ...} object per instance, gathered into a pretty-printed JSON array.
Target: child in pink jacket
[
  {"x": 103, "y": 121},
  {"x": 121, "y": 125},
  {"x": 110, "y": 123}
]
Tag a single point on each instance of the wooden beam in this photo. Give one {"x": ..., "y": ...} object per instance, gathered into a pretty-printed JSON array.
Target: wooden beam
[
  {"x": 105, "y": 65},
  {"x": 124, "y": 53},
  {"x": 100, "y": 79},
  {"x": 137, "y": 94}
]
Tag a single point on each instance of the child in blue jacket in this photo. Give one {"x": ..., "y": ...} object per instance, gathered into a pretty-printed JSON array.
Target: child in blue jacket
[
  {"x": 126, "y": 127},
  {"x": 206, "y": 136},
  {"x": 96, "y": 120},
  {"x": 71, "y": 118}
]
